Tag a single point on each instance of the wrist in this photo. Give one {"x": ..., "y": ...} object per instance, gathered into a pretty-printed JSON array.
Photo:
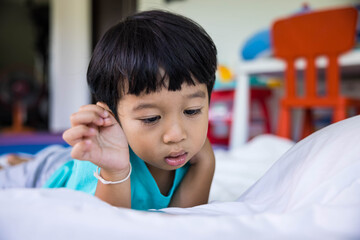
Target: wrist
[{"x": 113, "y": 177}]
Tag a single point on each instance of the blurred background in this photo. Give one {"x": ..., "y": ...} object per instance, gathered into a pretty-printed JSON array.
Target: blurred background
[{"x": 46, "y": 45}]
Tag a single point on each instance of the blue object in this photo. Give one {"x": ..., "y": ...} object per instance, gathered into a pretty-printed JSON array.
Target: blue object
[
  {"x": 25, "y": 148},
  {"x": 256, "y": 45}
]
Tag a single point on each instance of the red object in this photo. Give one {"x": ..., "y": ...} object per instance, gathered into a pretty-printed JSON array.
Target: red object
[
  {"x": 221, "y": 110},
  {"x": 321, "y": 33}
]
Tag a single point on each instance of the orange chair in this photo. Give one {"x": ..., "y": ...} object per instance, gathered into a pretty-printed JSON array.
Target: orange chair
[{"x": 326, "y": 33}]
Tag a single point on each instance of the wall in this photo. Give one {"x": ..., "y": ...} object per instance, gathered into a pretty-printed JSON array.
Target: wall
[
  {"x": 230, "y": 23},
  {"x": 70, "y": 46}
]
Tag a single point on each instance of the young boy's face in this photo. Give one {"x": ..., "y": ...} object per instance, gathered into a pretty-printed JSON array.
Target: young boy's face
[{"x": 166, "y": 128}]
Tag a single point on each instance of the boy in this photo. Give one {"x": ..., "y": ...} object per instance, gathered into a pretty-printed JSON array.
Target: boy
[{"x": 152, "y": 75}]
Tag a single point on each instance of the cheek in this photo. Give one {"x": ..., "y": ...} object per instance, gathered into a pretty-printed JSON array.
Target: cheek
[
  {"x": 130, "y": 131},
  {"x": 199, "y": 133},
  {"x": 143, "y": 147},
  {"x": 141, "y": 143}
]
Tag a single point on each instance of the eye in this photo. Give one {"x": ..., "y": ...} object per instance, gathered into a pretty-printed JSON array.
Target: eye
[
  {"x": 150, "y": 120},
  {"x": 192, "y": 112}
]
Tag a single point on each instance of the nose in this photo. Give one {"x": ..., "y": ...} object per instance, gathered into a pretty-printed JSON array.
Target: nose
[{"x": 174, "y": 132}]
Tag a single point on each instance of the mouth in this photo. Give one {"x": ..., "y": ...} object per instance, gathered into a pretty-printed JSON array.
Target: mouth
[{"x": 176, "y": 159}]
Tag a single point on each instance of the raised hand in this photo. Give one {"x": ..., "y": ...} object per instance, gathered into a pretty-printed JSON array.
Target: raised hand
[{"x": 97, "y": 137}]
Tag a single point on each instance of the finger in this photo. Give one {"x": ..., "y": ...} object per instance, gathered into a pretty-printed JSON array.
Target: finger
[
  {"x": 86, "y": 118},
  {"x": 81, "y": 150},
  {"x": 109, "y": 121},
  {"x": 95, "y": 108},
  {"x": 101, "y": 109},
  {"x": 76, "y": 134}
]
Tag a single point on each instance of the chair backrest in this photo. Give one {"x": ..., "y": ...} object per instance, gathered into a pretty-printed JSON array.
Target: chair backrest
[{"x": 309, "y": 35}]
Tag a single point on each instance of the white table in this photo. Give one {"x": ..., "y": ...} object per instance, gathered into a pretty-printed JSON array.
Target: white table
[{"x": 240, "y": 125}]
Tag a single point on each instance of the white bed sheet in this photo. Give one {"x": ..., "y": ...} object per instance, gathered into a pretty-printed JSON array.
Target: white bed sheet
[
  {"x": 237, "y": 170},
  {"x": 311, "y": 192}
]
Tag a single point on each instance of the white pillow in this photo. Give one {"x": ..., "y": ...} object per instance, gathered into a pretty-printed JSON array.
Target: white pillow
[{"x": 324, "y": 168}]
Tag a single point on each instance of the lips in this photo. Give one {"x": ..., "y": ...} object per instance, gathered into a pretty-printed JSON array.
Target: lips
[{"x": 176, "y": 159}]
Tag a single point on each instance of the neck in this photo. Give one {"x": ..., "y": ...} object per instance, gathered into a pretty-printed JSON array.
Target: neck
[{"x": 163, "y": 178}]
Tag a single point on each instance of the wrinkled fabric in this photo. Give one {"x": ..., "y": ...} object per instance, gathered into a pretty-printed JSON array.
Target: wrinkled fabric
[{"x": 35, "y": 172}]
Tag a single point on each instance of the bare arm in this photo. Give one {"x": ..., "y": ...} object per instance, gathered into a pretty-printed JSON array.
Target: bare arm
[
  {"x": 195, "y": 188},
  {"x": 97, "y": 137},
  {"x": 118, "y": 195}
]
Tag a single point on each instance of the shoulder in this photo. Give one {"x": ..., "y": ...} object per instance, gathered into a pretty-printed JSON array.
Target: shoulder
[{"x": 205, "y": 158}]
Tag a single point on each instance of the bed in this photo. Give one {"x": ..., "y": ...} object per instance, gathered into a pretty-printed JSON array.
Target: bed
[{"x": 312, "y": 191}]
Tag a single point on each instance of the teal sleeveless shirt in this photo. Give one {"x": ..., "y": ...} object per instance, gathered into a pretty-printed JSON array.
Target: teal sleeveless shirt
[{"x": 145, "y": 194}]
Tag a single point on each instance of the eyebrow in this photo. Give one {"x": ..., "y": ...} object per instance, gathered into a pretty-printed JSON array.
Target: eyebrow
[
  {"x": 198, "y": 94},
  {"x": 143, "y": 106}
]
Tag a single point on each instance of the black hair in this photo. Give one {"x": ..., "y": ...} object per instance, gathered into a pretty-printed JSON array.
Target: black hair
[{"x": 129, "y": 57}]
